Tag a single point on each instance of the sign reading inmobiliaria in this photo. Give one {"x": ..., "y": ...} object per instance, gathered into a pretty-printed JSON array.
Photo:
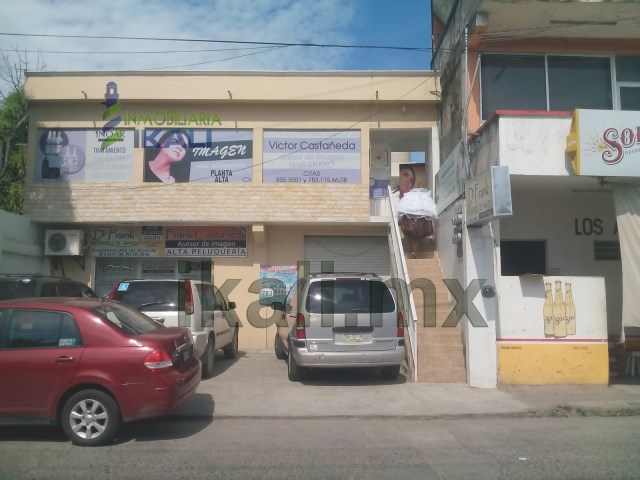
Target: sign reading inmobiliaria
[{"x": 605, "y": 143}]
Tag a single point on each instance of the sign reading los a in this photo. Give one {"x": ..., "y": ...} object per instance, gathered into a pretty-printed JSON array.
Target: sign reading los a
[{"x": 605, "y": 143}]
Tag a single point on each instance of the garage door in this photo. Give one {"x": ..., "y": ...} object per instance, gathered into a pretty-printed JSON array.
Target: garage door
[{"x": 348, "y": 254}]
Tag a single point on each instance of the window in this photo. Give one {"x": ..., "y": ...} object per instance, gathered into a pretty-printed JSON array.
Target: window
[
  {"x": 220, "y": 303},
  {"x": 512, "y": 82},
  {"x": 38, "y": 328},
  {"x": 11, "y": 288},
  {"x": 579, "y": 82},
  {"x": 207, "y": 298},
  {"x": 558, "y": 82},
  {"x": 73, "y": 289},
  {"x": 628, "y": 79},
  {"x": 630, "y": 98},
  {"x": 518, "y": 257},
  {"x": 150, "y": 295},
  {"x": 49, "y": 290},
  {"x": 347, "y": 296},
  {"x": 627, "y": 69},
  {"x": 128, "y": 321}
]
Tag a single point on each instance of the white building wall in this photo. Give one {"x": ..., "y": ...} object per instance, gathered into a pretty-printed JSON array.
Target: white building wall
[
  {"x": 479, "y": 253},
  {"x": 534, "y": 145},
  {"x": 570, "y": 222},
  {"x": 19, "y": 250}
]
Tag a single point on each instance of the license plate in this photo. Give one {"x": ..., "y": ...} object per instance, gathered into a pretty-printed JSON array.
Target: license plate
[
  {"x": 352, "y": 338},
  {"x": 186, "y": 355}
]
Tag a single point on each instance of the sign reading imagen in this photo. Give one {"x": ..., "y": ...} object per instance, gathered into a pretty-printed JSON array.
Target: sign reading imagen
[
  {"x": 198, "y": 155},
  {"x": 310, "y": 157},
  {"x": 79, "y": 156}
]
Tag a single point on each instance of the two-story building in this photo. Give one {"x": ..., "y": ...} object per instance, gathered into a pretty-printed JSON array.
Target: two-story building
[
  {"x": 539, "y": 140},
  {"x": 230, "y": 177}
]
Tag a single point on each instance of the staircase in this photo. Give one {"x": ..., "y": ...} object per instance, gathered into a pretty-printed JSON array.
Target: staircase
[{"x": 440, "y": 349}]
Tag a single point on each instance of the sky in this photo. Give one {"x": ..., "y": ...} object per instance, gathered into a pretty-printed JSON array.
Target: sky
[{"x": 383, "y": 23}]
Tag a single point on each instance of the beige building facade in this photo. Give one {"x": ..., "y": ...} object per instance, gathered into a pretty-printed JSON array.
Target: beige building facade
[{"x": 271, "y": 169}]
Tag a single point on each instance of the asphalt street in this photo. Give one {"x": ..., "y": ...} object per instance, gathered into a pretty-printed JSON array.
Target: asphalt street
[{"x": 255, "y": 385}]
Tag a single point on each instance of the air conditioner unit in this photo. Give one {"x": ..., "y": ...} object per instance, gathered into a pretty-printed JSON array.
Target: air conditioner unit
[{"x": 63, "y": 242}]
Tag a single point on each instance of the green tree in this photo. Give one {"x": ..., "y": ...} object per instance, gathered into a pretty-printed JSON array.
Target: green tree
[
  {"x": 13, "y": 134},
  {"x": 14, "y": 126}
]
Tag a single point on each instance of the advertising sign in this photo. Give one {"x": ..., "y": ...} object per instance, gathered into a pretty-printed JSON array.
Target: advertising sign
[
  {"x": 205, "y": 242},
  {"x": 275, "y": 282},
  {"x": 311, "y": 157},
  {"x": 198, "y": 155},
  {"x": 450, "y": 179},
  {"x": 79, "y": 155},
  {"x": 488, "y": 196},
  {"x": 605, "y": 143},
  {"x": 158, "y": 241}
]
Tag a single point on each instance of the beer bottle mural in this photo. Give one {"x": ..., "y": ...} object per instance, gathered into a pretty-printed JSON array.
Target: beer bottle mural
[
  {"x": 559, "y": 323},
  {"x": 548, "y": 311},
  {"x": 569, "y": 310},
  {"x": 559, "y": 312}
]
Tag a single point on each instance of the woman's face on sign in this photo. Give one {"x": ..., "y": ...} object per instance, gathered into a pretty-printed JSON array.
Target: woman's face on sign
[
  {"x": 175, "y": 147},
  {"x": 407, "y": 180}
]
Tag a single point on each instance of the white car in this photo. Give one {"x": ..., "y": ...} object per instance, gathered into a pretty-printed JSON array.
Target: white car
[{"x": 195, "y": 304}]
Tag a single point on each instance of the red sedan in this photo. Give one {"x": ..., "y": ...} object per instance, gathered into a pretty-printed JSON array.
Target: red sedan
[{"x": 90, "y": 365}]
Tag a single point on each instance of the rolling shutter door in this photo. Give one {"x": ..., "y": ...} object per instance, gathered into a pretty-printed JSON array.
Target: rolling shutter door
[{"x": 349, "y": 254}]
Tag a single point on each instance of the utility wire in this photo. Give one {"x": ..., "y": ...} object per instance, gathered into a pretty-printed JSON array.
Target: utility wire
[{"x": 241, "y": 42}]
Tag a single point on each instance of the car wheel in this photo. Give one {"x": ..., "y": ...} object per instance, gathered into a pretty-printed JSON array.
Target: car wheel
[
  {"x": 208, "y": 359},
  {"x": 391, "y": 373},
  {"x": 90, "y": 418},
  {"x": 231, "y": 350},
  {"x": 278, "y": 348},
  {"x": 295, "y": 372}
]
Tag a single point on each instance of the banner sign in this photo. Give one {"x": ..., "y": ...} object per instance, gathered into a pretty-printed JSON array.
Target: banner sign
[
  {"x": 156, "y": 241},
  {"x": 78, "y": 155},
  {"x": 311, "y": 157},
  {"x": 605, "y": 143},
  {"x": 198, "y": 155},
  {"x": 450, "y": 179}
]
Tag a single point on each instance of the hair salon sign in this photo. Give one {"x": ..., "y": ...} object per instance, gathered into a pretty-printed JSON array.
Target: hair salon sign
[{"x": 605, "y": 143}]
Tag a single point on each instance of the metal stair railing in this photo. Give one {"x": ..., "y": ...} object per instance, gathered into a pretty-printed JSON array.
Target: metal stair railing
[{"x": 401, "y": 283}]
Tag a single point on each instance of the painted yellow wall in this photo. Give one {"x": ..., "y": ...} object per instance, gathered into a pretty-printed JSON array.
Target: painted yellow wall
[{"x": 545, "y": 364}]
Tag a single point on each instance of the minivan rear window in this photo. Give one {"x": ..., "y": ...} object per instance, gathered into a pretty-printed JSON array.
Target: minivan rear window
[
  {"x": 151, "y": 295},
  {"x": 11, "y": 288},
  {"x": 349, "y": 296}
]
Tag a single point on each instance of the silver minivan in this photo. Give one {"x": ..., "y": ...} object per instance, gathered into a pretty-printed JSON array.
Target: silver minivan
[
  {"x": 195, "y": 304},
  {"x": 334, "y": 320}
]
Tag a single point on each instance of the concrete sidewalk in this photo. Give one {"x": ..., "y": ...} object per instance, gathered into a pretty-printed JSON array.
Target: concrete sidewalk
[{"x": 256, "y": 385}]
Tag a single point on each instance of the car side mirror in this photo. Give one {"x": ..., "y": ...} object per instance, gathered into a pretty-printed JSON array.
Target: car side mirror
[
  {"x": 277, "y": 306},
  {"x": 231, "y": 305}
]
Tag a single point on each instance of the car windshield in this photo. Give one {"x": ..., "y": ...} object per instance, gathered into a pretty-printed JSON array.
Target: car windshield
[
  {"x": 146, "y": 295},
  {"x": 11, "y": 288},
  {"x": 349, "y": 295},
  {"x": 128, "y": 321}
]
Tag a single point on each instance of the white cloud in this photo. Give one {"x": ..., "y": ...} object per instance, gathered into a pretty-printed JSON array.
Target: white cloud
[{"x": 294, "y": 21}]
